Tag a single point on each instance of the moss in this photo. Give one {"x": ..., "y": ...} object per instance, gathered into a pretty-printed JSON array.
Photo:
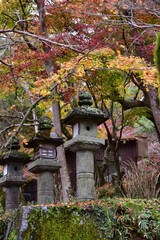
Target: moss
[
  {"x": 60, "y": 224},
  {"x": 2, "y": 199},
  {"x": 13, "y": 236},
  {"x": 104, "y": 219},
  {"x": 157, "y": 53},
  {"x": 45, "y": 123},
  {"x": 88, "y": 110}
]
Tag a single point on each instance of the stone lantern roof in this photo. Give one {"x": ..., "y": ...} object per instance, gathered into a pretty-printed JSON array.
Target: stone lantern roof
[
  {"x": 13, "y": 155},
  {"x": 44, "y": 136},
  {"x": 85, "y": 111}
]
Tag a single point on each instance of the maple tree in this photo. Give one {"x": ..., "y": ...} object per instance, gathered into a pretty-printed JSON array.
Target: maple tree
[{"x": 108, "y": 75}]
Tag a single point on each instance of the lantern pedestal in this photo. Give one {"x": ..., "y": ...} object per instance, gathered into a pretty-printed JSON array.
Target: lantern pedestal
[
  {"x": 11, "y": 186},
  {"x": 85, "y": 175},
  {"x": 84, "y": 148},
  {"x": 45, "y": 187},
  {"x": 45, "y": 169},
  {"x": 12, "y": 198}
]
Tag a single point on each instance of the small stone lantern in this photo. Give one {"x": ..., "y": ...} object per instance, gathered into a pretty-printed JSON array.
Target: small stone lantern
[
  {"x": 13, "y": 162},
  {"x": 84, "y": 121},
  {"x": 45, "y": 160}
]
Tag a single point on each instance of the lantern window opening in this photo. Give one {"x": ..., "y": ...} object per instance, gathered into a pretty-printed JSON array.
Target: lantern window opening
[
  {"x": 88, "y": 128},
  {"x": 75, "y": 130},
  {"x": 5, "y": 170}
]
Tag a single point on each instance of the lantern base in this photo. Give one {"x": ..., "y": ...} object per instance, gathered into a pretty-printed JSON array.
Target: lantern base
[
  {"x": 41, "y": 165},
  {"x": 8, "y": 181}
]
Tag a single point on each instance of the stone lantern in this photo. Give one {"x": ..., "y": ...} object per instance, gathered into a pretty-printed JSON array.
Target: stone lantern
[
  {"x": 45, "y": 160},
  {"x": 84, "y": 120},
  {"x": 13, "y": 162}
]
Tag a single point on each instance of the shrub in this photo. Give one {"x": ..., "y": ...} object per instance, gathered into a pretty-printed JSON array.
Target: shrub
[
  {"x": 142, "y": 181},
  {"x": 4, "y": 219}
]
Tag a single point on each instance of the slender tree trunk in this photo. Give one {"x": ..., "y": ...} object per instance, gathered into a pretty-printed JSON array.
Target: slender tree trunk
[
  {"x": 61, "y": 152},
  {"x": 154, "y": 105},
  {"x": 49, "y": 67},
  {"x": 118, "y": 170}
]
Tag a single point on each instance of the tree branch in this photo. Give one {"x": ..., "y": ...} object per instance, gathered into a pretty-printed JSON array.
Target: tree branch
[
  {"x": 41, "y": 38},
  {"x": 23, "y": 120},
  {"x": 132, "y": 104}
]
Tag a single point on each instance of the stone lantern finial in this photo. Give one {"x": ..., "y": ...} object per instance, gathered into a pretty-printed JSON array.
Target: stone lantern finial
[
  {"x": 45, "y": 123},
  {"x": 15, "y": 144},
  {"x": 85, "y": 99}
]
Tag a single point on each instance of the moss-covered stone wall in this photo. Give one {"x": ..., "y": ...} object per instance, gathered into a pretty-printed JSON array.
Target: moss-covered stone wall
[{"x": 106, "y": 219}]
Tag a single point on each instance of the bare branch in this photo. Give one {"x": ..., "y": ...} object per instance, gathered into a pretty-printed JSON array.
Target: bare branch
[
  {"x": 23, "y": 120},
  {"x": 42, "y": 39}
]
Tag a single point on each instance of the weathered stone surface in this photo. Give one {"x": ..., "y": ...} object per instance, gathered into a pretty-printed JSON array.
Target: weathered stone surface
[
  {"x": 85, "y": 175},
  {"x": 7, "y": 181},
  {"x": 41, "y": 165},
  {"x": 12, "y": 198},
  {"x": 45, "y": 187},
  {"x": 84, "y": 143},
  {"x": 88, "y": 128}
]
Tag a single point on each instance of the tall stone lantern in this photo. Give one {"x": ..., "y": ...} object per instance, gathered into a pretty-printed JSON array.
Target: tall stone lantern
[
  {"x": 13, "y": 162},
  {"x": 45, "y": 160},
  {"x": 84, "y": 121}
]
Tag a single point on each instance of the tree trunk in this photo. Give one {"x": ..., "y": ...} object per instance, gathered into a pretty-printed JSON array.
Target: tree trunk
[
  {"x": 118, "y": 170},
  {"x": 49, "y": 67},
  {"x": 66, "y": 185},
  {"x": 154, "y": 105}
]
